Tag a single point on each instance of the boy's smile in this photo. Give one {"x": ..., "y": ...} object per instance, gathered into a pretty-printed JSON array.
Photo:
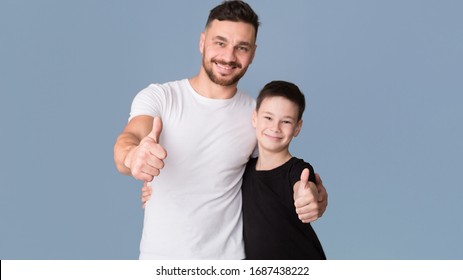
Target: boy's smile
[{"x": 276, "y": 124}]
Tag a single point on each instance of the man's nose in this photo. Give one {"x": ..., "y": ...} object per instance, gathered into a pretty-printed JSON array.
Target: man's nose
[{"x": 229, "y": 54}]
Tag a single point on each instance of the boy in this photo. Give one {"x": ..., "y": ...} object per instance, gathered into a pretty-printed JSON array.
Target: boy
[{"x": 273, "y": 181}]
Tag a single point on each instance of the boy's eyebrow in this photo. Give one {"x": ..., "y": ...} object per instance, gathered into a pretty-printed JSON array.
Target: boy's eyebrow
[{"x": 287, "y": 117}]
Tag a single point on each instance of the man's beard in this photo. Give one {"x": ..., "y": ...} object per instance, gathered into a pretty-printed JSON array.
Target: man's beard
[{"x": 218, "y": 80}]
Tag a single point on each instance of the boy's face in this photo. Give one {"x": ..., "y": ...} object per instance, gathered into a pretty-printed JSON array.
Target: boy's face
[{"x": 276, "y": 123}]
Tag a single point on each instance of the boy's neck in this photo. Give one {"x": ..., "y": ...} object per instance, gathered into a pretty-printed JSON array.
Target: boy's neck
[{"x": 270, "y": 160}]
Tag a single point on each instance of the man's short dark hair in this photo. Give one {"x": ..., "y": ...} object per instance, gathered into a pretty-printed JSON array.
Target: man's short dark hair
[
  {"x": 283, "y": 89},
  {"x": 235, "y": 10}
]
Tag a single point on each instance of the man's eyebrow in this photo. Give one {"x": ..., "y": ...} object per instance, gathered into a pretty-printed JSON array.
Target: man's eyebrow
[
  {"x": 240, "y": 43},
  {"x": 220, "y": 38},
  {"x": 244, "y": 43}
]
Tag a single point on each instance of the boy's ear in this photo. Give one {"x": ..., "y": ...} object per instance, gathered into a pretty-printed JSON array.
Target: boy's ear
[
  {"x": 254, "y": 118},
  {"x": 298, "y": 128}
]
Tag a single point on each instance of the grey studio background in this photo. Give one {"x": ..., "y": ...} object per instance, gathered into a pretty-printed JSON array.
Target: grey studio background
[{"x": 383, "y": 80}]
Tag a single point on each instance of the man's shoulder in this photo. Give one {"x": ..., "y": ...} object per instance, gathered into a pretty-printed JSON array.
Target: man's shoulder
[
  {"x": 165, "y": 89},
  {"x": 246, "y": 98},
  {"x": 168, "y": 85}
]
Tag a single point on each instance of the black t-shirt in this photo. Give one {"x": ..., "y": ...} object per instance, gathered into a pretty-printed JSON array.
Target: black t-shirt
[{"x": 271, "y": 227}]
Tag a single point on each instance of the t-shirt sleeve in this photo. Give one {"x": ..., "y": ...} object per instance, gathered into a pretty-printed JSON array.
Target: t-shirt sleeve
[
  {"x": 296, "y": 170},
  {"x": 148, "y": 102}
]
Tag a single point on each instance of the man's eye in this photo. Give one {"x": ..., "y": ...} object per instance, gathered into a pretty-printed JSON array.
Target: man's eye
[
  {"x": 220, "y": 44},
  {"x": 243, "y": 49}
]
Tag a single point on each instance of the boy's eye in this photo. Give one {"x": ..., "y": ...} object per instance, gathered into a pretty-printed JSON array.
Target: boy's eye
[{"x": 267, "y": 118}]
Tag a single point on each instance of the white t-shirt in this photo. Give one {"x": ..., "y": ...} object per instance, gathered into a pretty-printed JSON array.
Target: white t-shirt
[{"x": 195, "y": 208}]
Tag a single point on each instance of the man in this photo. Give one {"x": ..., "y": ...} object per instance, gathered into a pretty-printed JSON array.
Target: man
[{"x": 199, "y": 132}]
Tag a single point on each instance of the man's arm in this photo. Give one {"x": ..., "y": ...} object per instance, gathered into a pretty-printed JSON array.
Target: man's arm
[
  {"x": 322, "y": 195},
  {"x": 137, "y": 151},
  {"x": 313, "y": 210}
]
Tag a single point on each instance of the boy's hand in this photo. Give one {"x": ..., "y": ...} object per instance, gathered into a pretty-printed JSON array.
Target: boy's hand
[
  {"x": 147, "y": 159},
  {"x": 146, "y": 191},
  {"x": 306, "y": 198}
]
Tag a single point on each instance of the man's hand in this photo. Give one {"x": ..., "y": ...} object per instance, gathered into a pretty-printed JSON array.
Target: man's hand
[
  {"x": 306, "y": 198},
  {"x": 146, "y": 191},
  {"x": 147, "y": 159},
  {"x": 322, "y": 195}
]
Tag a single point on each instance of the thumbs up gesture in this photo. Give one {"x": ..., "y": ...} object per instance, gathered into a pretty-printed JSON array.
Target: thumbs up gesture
[
  {"x": 147, "y": 159},
  {"x": 306, "y": 198},
  {"x": 157, "y": 129}
]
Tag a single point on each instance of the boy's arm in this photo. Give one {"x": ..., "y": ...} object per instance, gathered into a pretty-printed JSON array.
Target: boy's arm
[
  {"x": 146, "y": 191},
  {"x": 302, "y": 199},
  {"x": 306, "y": 198}
]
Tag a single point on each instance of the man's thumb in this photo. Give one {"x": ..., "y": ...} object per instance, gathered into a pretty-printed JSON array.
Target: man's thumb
[{"x": 157, "y": 128}]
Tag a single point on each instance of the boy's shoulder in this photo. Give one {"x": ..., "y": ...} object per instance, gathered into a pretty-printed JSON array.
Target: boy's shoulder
[{"x": 297, "y": 165}]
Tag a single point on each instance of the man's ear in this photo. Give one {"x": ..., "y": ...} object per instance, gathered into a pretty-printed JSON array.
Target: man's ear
[
  {"x": 202, "y": 39},
  {"x": 254, "y": 118},
  {"x": 298, "y": 128},
  {"x": 253, "y": 54}
]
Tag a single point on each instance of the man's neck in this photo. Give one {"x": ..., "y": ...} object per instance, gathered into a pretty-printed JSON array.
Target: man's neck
[
  {"x": 205, "y": 87},
  {"x": 271, "y": 160}
]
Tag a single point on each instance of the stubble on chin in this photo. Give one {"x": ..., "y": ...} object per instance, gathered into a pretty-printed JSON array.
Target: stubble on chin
[{"x": 225, "y": 81}]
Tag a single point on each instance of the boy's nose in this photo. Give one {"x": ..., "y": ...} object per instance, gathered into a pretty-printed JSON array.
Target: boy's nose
[{"x": 275, "y": 127}]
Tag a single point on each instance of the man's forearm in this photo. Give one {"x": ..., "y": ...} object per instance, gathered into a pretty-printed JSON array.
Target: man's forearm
[{"x": 124, "y": 144}]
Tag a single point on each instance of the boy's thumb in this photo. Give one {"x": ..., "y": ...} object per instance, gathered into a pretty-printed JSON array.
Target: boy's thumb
[{"x": 305, "y": 177}]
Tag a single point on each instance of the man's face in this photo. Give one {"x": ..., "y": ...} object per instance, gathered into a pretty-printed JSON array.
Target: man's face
[
  {"x": 276, "y": 123},
  {"x": 228, "y": 49}
]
